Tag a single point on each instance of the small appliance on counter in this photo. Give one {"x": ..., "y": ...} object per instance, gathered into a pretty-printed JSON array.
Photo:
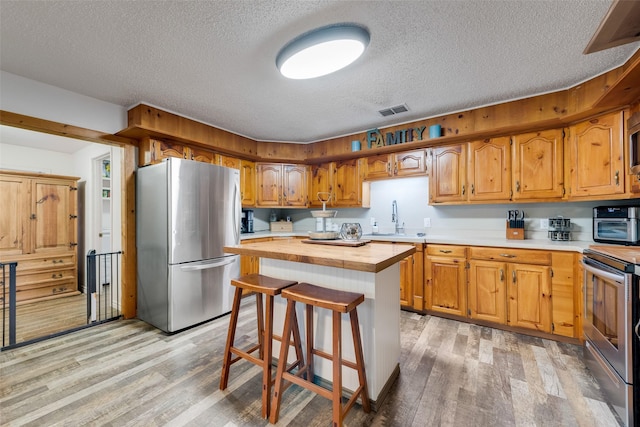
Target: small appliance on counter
[
  {"x": 559, "y": 229},
  {"x": 246, "y": 221},
  {"x": 617, "y": 224}
]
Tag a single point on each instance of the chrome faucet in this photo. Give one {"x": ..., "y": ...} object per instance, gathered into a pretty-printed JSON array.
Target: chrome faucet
[{"x": 395, "y": 219}]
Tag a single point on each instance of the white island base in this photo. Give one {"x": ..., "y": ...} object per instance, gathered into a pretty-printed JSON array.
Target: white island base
[{"x": 379, "y": 317}]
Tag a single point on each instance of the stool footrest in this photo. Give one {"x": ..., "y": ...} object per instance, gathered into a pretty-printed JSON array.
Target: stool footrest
[{"x": 328, "y": 356}]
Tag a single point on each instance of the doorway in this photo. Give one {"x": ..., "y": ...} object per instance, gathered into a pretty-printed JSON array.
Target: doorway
[{"x": 99, "y": 167}]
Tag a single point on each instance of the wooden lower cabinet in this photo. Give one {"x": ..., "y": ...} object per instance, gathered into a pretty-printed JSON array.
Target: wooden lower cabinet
[
  {"x": 529, "y": 296},
  {"x": 530, "y": 289},
  {"x": 406, "y": 282},
  {"x": 446, "y": 279},
  {"x": 487, "y": 291},
  {"x": 411, "y": 280}
]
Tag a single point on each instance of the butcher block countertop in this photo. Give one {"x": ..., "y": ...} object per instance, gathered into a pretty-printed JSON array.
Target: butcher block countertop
[
  {"x": 625, "y": 253},
  {"x": 372, "y": 257}
]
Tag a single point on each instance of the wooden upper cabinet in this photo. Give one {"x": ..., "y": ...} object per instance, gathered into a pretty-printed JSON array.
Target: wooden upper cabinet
[
  {"x": 538, "y": 165},
  {"x": 378, "y": 167},
  {"x": 229, "y": 162},
  {"x": 294, "y": 185},
  {"x": 281, "y": 185},
  {"x": 347, "y": 183},
  {"x": 596, "y": 157},
  {"x": 202, "y": 155},
  {"x": 321, "y": 181},
  {"x": 247, "y": 183},
  {"x": 269, "y": 184},
  {"x": 406, "y": 163},
  {"x": 489, "y": 176},
  {"x": 448, "y": 182},
  {"x": 409, "y": 163}
]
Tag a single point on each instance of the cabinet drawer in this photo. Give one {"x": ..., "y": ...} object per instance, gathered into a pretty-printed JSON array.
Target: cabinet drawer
[
  {"x": 52, "y": 277},
  {"x": 48, "y": 262},
  {"x": 527, "y": 256},
  {"x": 45, "y": 291},
  {"x": 447, "y": 250}
]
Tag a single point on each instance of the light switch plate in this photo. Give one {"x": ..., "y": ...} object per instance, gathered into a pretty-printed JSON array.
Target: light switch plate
[
  {"x": 372, "y": 221},
  {"x": 427, "y": 222},
  {"x": 544, "y": 223}
]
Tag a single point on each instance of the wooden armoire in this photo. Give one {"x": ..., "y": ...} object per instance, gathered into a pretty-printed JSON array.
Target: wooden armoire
[{"x": 38, "y": 230}]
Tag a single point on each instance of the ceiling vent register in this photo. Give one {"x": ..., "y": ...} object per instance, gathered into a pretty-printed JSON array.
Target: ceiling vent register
[{"x": 394, "y": 110}]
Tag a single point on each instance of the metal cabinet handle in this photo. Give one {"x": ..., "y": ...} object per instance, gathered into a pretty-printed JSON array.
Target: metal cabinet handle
[
  {"x": 445, "y": 251},
  {"x": 513, "y": 276},
  {"x": 518, "y": 186},
  {"x": 617, "y": 177},
  {"x": 508, "y": 255},
  {"x": 501, "y": 275},
  {"x": 463, "y": 190},
  {"x": 473, "y": 189}
]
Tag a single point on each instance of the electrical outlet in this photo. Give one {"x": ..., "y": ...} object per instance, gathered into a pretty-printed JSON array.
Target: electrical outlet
[
  {"x": 544, "y": 224},
  {"x": 372, "y": 221},
  {"x": 427, "y": 222}
]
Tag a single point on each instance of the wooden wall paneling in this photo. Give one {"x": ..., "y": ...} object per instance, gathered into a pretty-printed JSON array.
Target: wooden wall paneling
[
  {"x": 282, "y": 152},
  {"x": 128, "y": 230}
]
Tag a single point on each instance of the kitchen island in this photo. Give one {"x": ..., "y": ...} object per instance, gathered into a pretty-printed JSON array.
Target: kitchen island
[{"x": 371, "y": 269}]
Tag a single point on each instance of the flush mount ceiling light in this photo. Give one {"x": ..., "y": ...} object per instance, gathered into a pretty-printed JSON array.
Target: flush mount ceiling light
[{"x": 322, "y": 51}]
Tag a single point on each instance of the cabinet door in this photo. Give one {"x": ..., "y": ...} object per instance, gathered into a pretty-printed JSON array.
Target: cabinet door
[
  {"x": 410, "y": 163},
  {"x": 294, "y": 185},
  {"x": 406, "y": 281},
  {"x": 54, "y": 214},
  {"x": 321, "y": 182},
  {"x": 15, "y": 234},
  {"x": 163, "y": 149},
  {"x": 247, "y": 183},
  {"x": 538, "y": 165},
  {"x": 230, "y": 162},
  {"x": 487, "y": 291},
  {"x": 448, "y": 174},
  {"x": 446, "y": 280},
  {"x": 597, "y": 165},
  {"x": 378, "y": 167},
  {"x": 201, "y": 155},
  {"x": 269, "y": 179},
  {"x": 347, "y": 187},
  {"x": 529, "y": 292},
  {"x": 490, "y": 169}
]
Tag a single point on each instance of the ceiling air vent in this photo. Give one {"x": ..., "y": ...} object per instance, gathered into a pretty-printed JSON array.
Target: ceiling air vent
[
  {"x": 621, "y": 25},
  {"x": 394, "y": 110}
]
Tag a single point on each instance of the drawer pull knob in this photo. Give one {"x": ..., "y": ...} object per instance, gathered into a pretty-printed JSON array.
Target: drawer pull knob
[{"x": 56, "y": 276}]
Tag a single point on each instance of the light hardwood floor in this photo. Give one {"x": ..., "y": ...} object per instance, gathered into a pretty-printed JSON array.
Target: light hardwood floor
[{"x": 127, "y": 373}]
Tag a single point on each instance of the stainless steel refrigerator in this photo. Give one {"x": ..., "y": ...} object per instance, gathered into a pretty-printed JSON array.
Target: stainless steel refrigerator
[{"x": 187, "y": 211}]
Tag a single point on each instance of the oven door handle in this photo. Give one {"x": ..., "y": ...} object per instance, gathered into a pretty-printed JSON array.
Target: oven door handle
[{"x": 619, "y": 278}]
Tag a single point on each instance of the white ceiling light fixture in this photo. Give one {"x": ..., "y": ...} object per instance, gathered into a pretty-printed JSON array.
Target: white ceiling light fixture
[{"x": 322, "y": 51}]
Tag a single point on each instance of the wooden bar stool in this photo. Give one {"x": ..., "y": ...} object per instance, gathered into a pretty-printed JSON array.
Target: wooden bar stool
[
  {"x": 338, "y": 302},
  {"x": 260, "y": 285}
]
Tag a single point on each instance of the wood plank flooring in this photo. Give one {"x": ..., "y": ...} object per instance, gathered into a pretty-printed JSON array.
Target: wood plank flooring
[{"x": 127, "y": 373}]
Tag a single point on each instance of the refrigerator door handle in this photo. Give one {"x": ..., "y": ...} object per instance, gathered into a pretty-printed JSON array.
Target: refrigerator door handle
[
  {"x": 236, "y": 214},
  {"x": 205, "y": 266}
]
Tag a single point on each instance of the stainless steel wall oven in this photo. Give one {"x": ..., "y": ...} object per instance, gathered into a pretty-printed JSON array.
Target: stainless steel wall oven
[{"x": 611, "y": 327}]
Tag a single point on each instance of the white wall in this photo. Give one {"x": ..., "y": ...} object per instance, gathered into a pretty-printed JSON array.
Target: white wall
[
  {"x": 16, "y": 157},
  {"x": 412, "y": 195},
  {"x": 31, "y": 98}
]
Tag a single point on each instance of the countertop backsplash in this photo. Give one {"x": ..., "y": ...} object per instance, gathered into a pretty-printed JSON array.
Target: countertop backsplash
[{"x": 412, "y": 196}]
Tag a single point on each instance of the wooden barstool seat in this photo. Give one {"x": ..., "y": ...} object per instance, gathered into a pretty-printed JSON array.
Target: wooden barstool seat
[
  {"x": 259, "y": 285},
  {"x": 338, "y": 302}
]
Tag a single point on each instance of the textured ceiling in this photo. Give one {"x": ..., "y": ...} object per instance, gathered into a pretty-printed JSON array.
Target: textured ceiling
[{"x": 214, "y": 61}]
